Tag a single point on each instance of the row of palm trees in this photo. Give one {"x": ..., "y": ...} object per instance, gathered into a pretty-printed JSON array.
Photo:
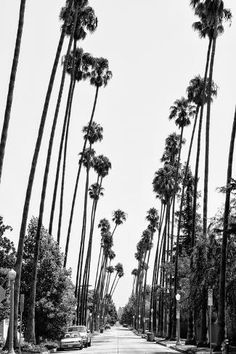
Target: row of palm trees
[
  {"x": 176, "y": 187},
  {"x": 104, "y": 288},
  {"x": 78, "y": 19}
]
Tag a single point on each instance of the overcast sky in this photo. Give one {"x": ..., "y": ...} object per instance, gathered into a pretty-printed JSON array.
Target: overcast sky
[{"x": 153, "y": 53}]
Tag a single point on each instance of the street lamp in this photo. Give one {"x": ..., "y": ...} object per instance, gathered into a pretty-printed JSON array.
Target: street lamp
[
  {"x": 152, "y": 320},
  {"x": 11, "y": 277},
  {"x": 177, "y": 296}
]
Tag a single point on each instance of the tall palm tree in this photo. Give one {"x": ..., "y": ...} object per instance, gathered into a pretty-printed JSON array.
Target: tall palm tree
[
  {"x": 79, "y": 65},
  {"x": 104, "y": 225},
  {"x": 221, "y": 306},
  {"x": 75, "y": 26},
  {"x": 87, "y": 161},
  {"x": 95, "y": 191},
  {"x": 7, "y": 114},
  {"x": 92, "y": 133},
  {"x": 100, "y": 76},
  {"x": 196, "y": 92},
  {"x": 18, "y": 265},
  {"x": 101, "y": 165},
  {"x": 211, "y": 14},
  {"x": 181, "y": 111}
]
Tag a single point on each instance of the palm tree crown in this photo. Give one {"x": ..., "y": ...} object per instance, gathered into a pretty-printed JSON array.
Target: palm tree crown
[{"x": 181, "y": 111}]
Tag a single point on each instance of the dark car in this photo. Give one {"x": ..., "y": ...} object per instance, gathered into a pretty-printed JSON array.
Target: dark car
[
  {"x": 83, "y": 332},
  {"x": 71, "y": 340}
]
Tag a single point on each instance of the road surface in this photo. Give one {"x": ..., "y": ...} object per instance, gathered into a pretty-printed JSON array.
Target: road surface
[{"x": 120, "y": 340}]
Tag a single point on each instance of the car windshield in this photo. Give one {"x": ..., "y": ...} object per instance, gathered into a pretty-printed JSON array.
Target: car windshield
[
  {"x": 77, "y": 329},
  {"x": 81, "y": 329},
  {"x": 71, "y": 335}
]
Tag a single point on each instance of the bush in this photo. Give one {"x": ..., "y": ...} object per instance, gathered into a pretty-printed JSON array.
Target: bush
[
  {"x": 35, "y": 348},
  {"x": 50, "y": 345}
]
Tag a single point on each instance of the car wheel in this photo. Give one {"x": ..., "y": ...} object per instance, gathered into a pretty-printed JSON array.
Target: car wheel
[{"x": 89, "y": 344}]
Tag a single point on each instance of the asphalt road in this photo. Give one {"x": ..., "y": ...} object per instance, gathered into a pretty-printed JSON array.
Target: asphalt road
[{"x": 119, "y": 340}]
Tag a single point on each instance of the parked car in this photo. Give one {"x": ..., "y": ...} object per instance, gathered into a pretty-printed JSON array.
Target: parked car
[
  {"x": 107, "y": 326},
  {"x": 71, "y": 340},
  {"x": 84, "y": 333}
]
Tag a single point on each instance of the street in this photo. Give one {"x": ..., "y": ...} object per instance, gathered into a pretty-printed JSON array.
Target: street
[{"x": 119, "y": 340}]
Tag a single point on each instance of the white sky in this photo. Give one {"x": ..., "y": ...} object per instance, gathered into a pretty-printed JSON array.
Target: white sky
[{"x": 153, "y": 53}]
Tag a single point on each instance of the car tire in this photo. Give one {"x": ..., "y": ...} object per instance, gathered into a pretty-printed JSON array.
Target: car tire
[{"x": 89, "y": 344}]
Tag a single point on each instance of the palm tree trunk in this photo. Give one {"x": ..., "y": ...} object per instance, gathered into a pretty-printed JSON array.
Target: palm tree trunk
[
  {"x": 207, "y": 139},
  {"x": 115, "y": 286},
  {"x": 42, "y": 201},
  {"x": 18, "y": 265},
  {"x": 68, "y": 106},
  {"x": 177, "y": 242},
  {"x": 196, "y": 173},
  {"x": 63, "y": 173},
  {"x": 81, "y": 251},
  {"x": 77, "y": 181},
  {"x": 206, "y": 177},
  {"x": 221, "y": 306},
  {"x": 199, "y": 145},
  {"x": 98, "y": 265},
  {"x": 113, "y": 283},
  {"x": 152, "y": 300},
  {"x": 11, "y": 84},
  {"x": 88, "y": 257}
]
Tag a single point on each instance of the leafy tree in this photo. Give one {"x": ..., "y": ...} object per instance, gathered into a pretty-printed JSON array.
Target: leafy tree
[
  {"x": 55, "y": 302},
  {"x": 7, "y": 261}
]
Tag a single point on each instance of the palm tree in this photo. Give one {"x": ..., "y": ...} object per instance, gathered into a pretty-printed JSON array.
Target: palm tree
[
  {"x": 221, "y": 306},
  {"x": 75, "y": 25},
  {"x": 119, "y": 272},
  {"x": 211, "y": 14},
  {"x": 79, "y": 65},
  {"x": 118, "y": 217},
  {"x": 86, "y": 20},
  {"x": 104, "y": 225},
  {"x": 18, "y": 265},
  {"x": 196, "y": 92},
  {"x": 134, "y": 273},
  {"x": 181, "y": 111},
  {"x": 101, "y": 165},
  {"x": 92, "y": 133},
  {"x": 87, "y": 161},
  {"x": 95, "y": 191},
  {"x": 11, "y": 86},
  {"x": 100, "y": 76}
]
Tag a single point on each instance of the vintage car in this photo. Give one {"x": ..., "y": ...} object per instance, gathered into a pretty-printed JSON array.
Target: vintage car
[
  {"x": 84, "y": 333},
  {"x": 71, "y": 340}
]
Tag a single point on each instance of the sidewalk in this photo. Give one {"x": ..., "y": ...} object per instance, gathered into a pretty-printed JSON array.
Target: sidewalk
[{"x": 182, "y": 347}]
